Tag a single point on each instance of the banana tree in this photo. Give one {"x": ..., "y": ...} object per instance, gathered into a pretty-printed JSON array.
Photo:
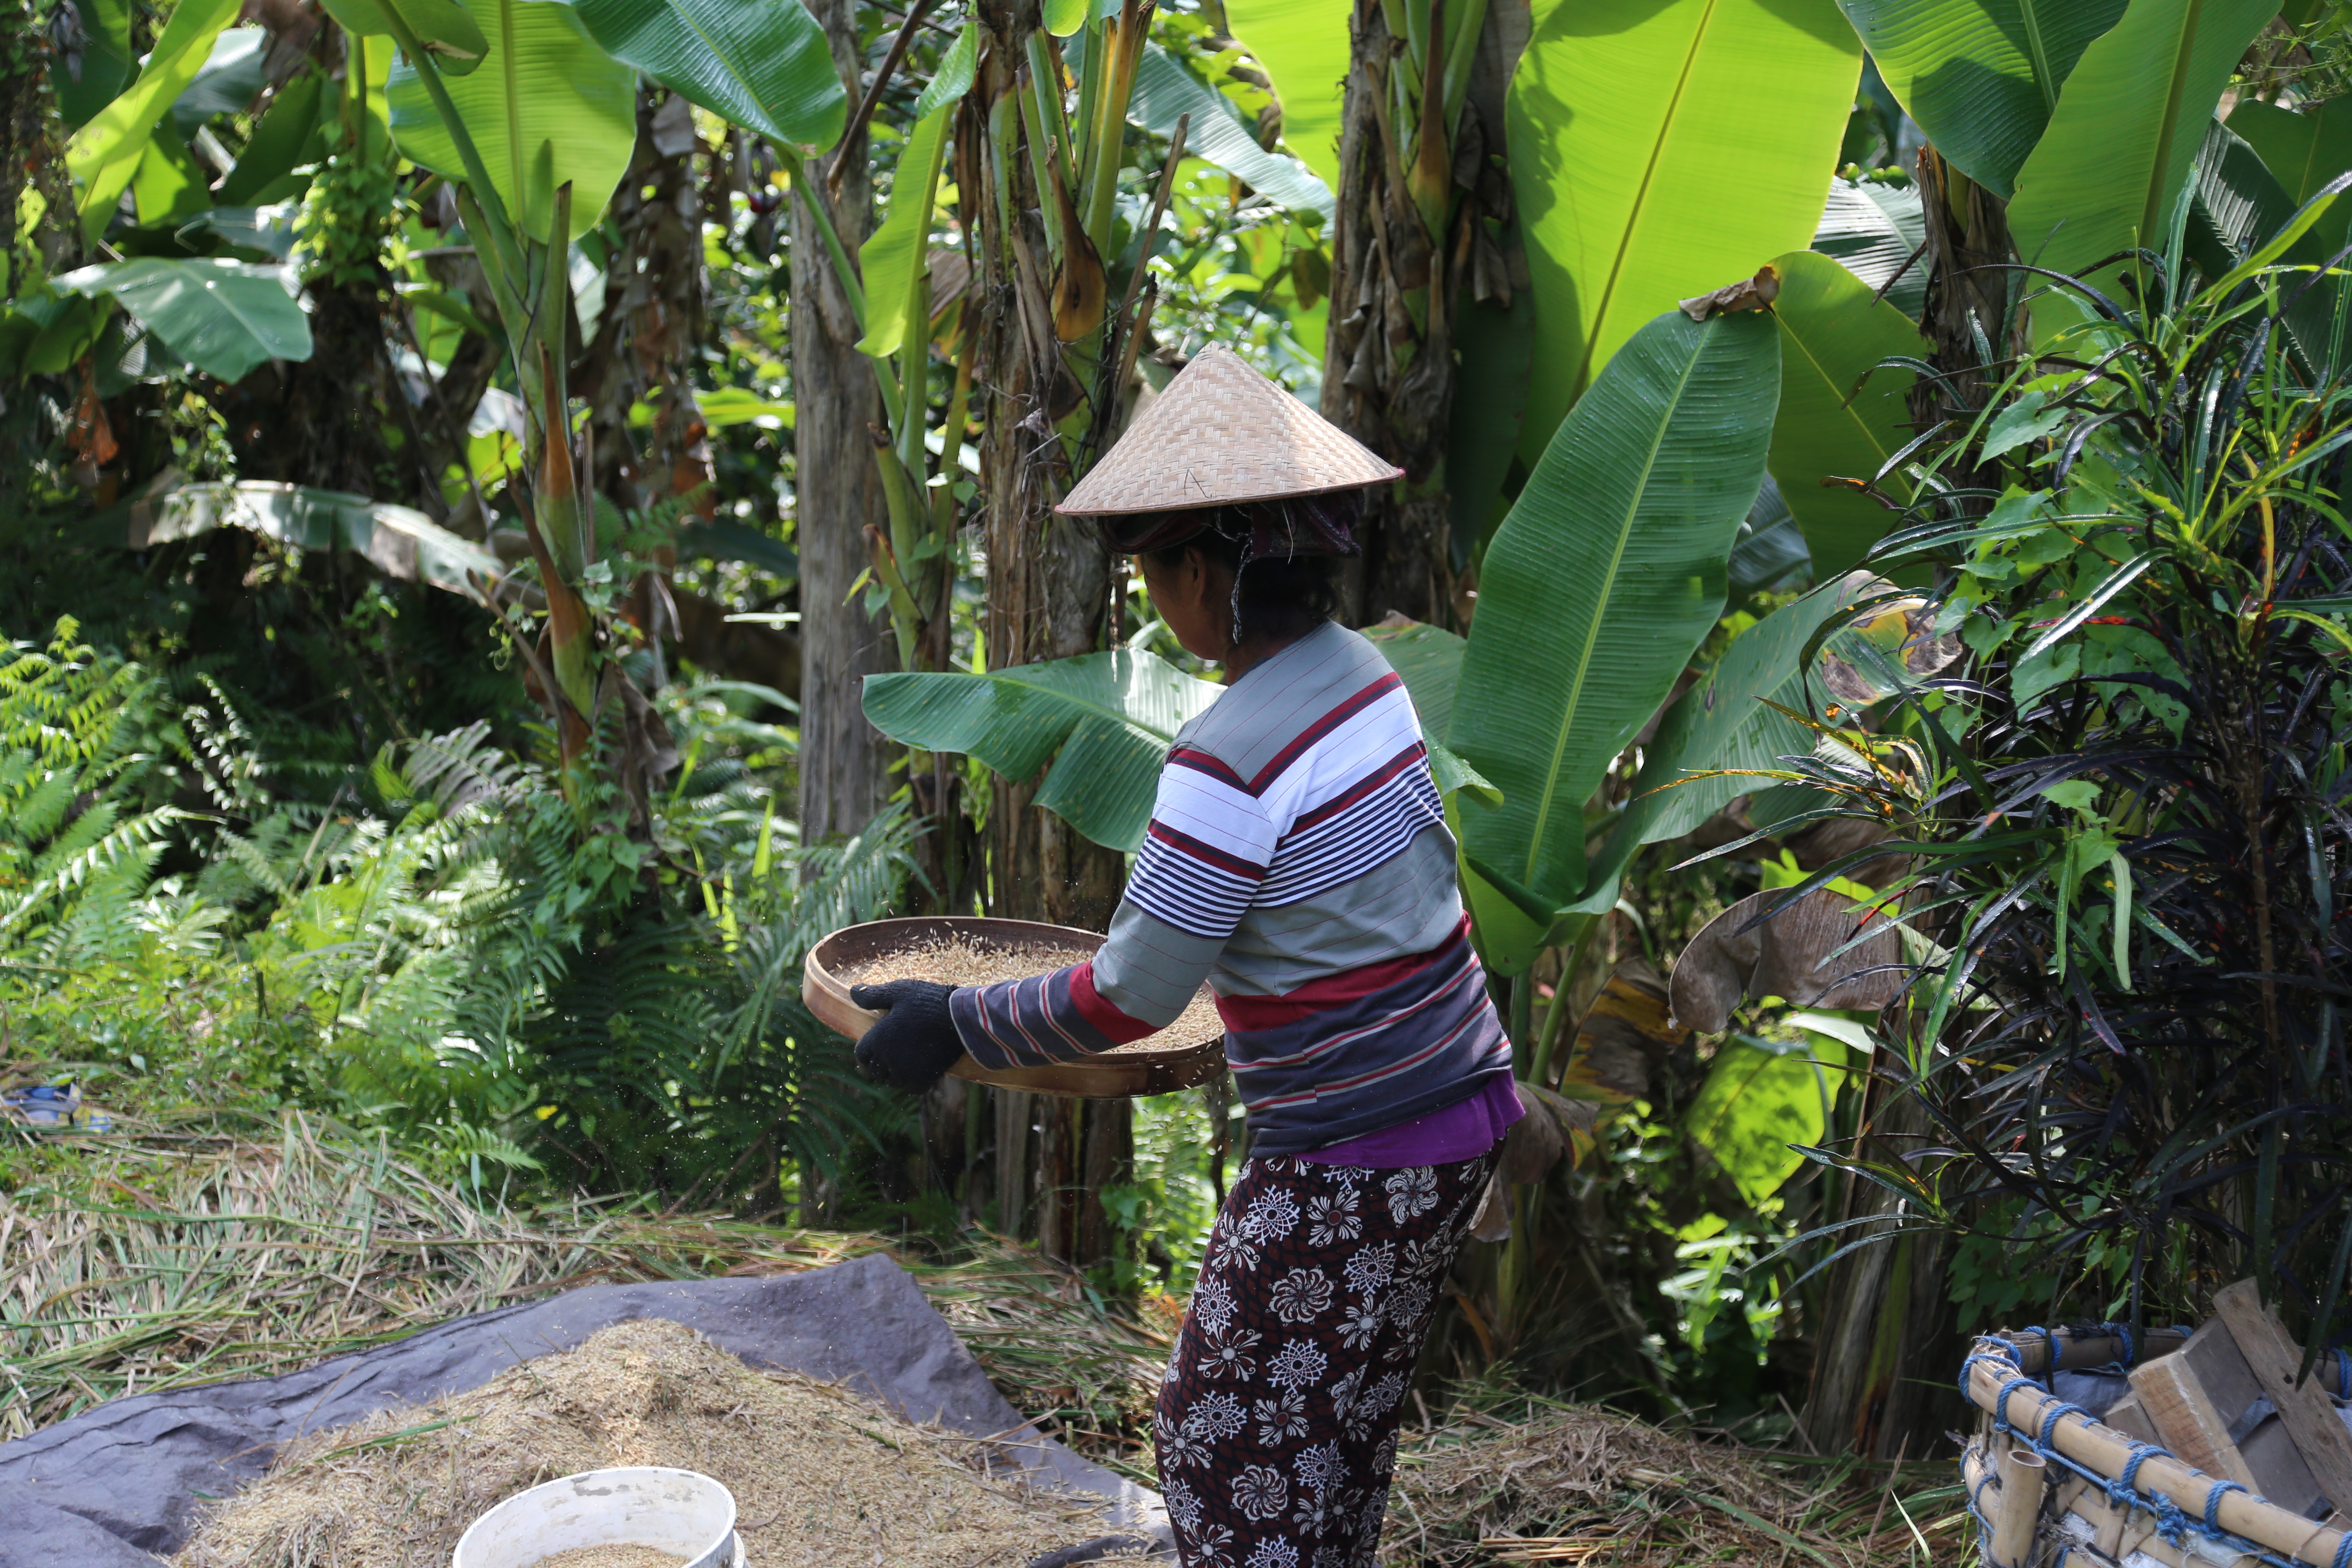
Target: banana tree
[{"x": 534, "y": 136}]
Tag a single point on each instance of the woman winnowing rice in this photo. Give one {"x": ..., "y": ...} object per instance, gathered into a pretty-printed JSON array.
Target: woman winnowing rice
[{"x": 1298, "y": 861}]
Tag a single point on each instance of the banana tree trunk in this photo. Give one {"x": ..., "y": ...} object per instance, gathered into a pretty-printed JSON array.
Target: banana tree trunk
[
  {"x": 1048, "y": 597},
  {"x": 1971, "y": 296},
  {"x": 845, "y": 761},
  {"x": 1424, "y": 217},
  {"x": 1884, "y": 1346}
]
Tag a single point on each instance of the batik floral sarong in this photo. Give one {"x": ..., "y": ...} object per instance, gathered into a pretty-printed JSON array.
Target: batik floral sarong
[{"x": 1278, "y": 1414}]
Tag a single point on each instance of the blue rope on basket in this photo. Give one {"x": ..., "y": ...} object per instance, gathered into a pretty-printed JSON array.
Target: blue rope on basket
[{"x": 2123, "y": 1492}]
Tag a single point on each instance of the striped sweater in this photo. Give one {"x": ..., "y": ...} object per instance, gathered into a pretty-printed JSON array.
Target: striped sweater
[{"x": 1299, "y": 862}]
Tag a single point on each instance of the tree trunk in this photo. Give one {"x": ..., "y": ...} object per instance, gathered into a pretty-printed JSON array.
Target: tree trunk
[
  {"x": 1048, "y": 597},
  {"x": 1421, "y": 205},
  {"x": 845, "y": 761},
  {"x": 1885, "y": 1351},
  {"x": 1971, "y": 294}
]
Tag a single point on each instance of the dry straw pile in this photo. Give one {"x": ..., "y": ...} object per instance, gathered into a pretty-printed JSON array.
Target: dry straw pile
[
  {"x": 1519, "y": 1478},
  {"x": 820, "y": 1477}
]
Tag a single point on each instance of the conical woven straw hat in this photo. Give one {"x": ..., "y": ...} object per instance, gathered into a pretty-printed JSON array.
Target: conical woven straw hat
[{"x": 1220, "y": 435}]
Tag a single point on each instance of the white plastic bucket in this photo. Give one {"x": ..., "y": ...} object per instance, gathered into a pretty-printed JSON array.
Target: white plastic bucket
[{"x": 676, "y": 1512}]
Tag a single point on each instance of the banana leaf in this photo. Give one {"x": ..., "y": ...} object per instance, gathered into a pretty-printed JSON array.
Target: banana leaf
[
  {"x": 2303, "y": 150},
  {"x": 1841, "y": 416},
  {"x": 87, "y": 78},
  {"x": 1875, "y": 230},
  {"x": 1659, "y": 150},
  {"x": 1727, "y": 722},
  {"x": 1302, "y": 45},
  {"x": 547, "y": 108},
  {"x": 222, "y": 317},
  {"x": 446, "y": 29},
  {"x": 887, "y": 259},
  {"x": 1164, "y": 90},
  {"x": 1769, "y": 548},
  {"x": 2106, "y": 175},
  {"x": 105, "y": 152},
  {"x": 1980, "y": 77},
  {"x": 1597, "y": 587},
  {"x": 395, "y": 540},
  {"x": 1103, "y": 722},
  {"x": 761, "y": 64}
]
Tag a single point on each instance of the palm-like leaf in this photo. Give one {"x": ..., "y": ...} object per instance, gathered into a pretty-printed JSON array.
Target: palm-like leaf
[
  {"x": 1657, "y": 151},
  {"x": 1597, "y": 587},
  {"x": 1104, "y": 720}
]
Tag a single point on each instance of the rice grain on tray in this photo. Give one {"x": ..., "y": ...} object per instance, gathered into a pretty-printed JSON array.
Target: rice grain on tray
[
  {"x": 821, "y": 1477},
  {"x": 611, "y": 1557},
  {"x": 956, "y": 962}
]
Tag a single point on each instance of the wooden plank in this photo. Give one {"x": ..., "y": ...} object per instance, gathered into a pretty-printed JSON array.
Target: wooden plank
[
  {"x": 2189, "y": 1419},
  {"x": 2126, "y": 1418},
  {"x": 2306, "y": 1412}
]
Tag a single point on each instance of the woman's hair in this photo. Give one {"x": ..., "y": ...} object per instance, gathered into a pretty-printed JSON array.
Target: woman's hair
[{"x": 1274, "y": 596}]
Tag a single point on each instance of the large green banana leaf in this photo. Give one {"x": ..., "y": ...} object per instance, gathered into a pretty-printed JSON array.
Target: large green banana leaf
[
  {"x": 222, "y": 317},
  {"x": 1980, "y": 77},
  {"x": 763, "y": 64},
  {"x": 104, "y": 154},
  {"x": 2107, "y": 174},
  {"x": 1303, "y": 46},
  {"x": 395, "y": 540},
  {"x": 1104, "y": 720},
  {"x": 1605, "y": 576},
  {"x": 1841, "y": 417},
  {"x": 547, "y": 108},
  {"x": 1164, "y": 90},
  {"x": 1660, "y": 149},
  {"x": 2302, "y": 151}
]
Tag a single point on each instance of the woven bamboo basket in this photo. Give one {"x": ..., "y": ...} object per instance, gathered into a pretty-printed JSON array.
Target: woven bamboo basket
[
  {"x": 2050, "y": 1482},
  {"x": 1154, "y": 1066}
]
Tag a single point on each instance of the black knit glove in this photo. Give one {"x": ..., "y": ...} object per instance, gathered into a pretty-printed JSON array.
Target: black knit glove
[{"x": 915, "y": 1041}]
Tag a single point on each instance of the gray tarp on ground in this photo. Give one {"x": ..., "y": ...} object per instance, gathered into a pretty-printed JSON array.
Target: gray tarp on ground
[{"x": 114, "y": 1484}]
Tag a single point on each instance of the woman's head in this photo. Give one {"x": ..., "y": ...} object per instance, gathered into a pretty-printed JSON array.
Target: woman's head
[{"x": 1217, "y": 596}]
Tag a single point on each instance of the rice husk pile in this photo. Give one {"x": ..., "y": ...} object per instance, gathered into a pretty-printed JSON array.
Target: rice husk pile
[
  {"x": 953, "y": 961},
  {"x": 820, "y": 1476}
]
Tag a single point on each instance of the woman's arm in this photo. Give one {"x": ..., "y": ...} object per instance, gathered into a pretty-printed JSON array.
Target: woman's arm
[{"x": 1204, "y": 857}]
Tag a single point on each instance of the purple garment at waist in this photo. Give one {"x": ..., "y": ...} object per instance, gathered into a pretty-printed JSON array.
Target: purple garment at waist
[{"x": 1463, "y": 1130}]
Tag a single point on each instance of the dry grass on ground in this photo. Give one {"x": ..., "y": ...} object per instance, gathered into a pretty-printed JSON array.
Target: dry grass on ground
[
  {"x": 162, "y": 1260},
  {"x": 174, "y": 1261},
  {"x": 819, "y": 1476}
]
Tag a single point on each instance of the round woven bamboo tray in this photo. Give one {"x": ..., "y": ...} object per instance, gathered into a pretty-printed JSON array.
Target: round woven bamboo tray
[{"x": 1140, "y": 1069}]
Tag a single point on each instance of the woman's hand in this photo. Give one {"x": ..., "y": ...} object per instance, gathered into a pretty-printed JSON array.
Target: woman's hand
[{"x": 915, "y": 1041}]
